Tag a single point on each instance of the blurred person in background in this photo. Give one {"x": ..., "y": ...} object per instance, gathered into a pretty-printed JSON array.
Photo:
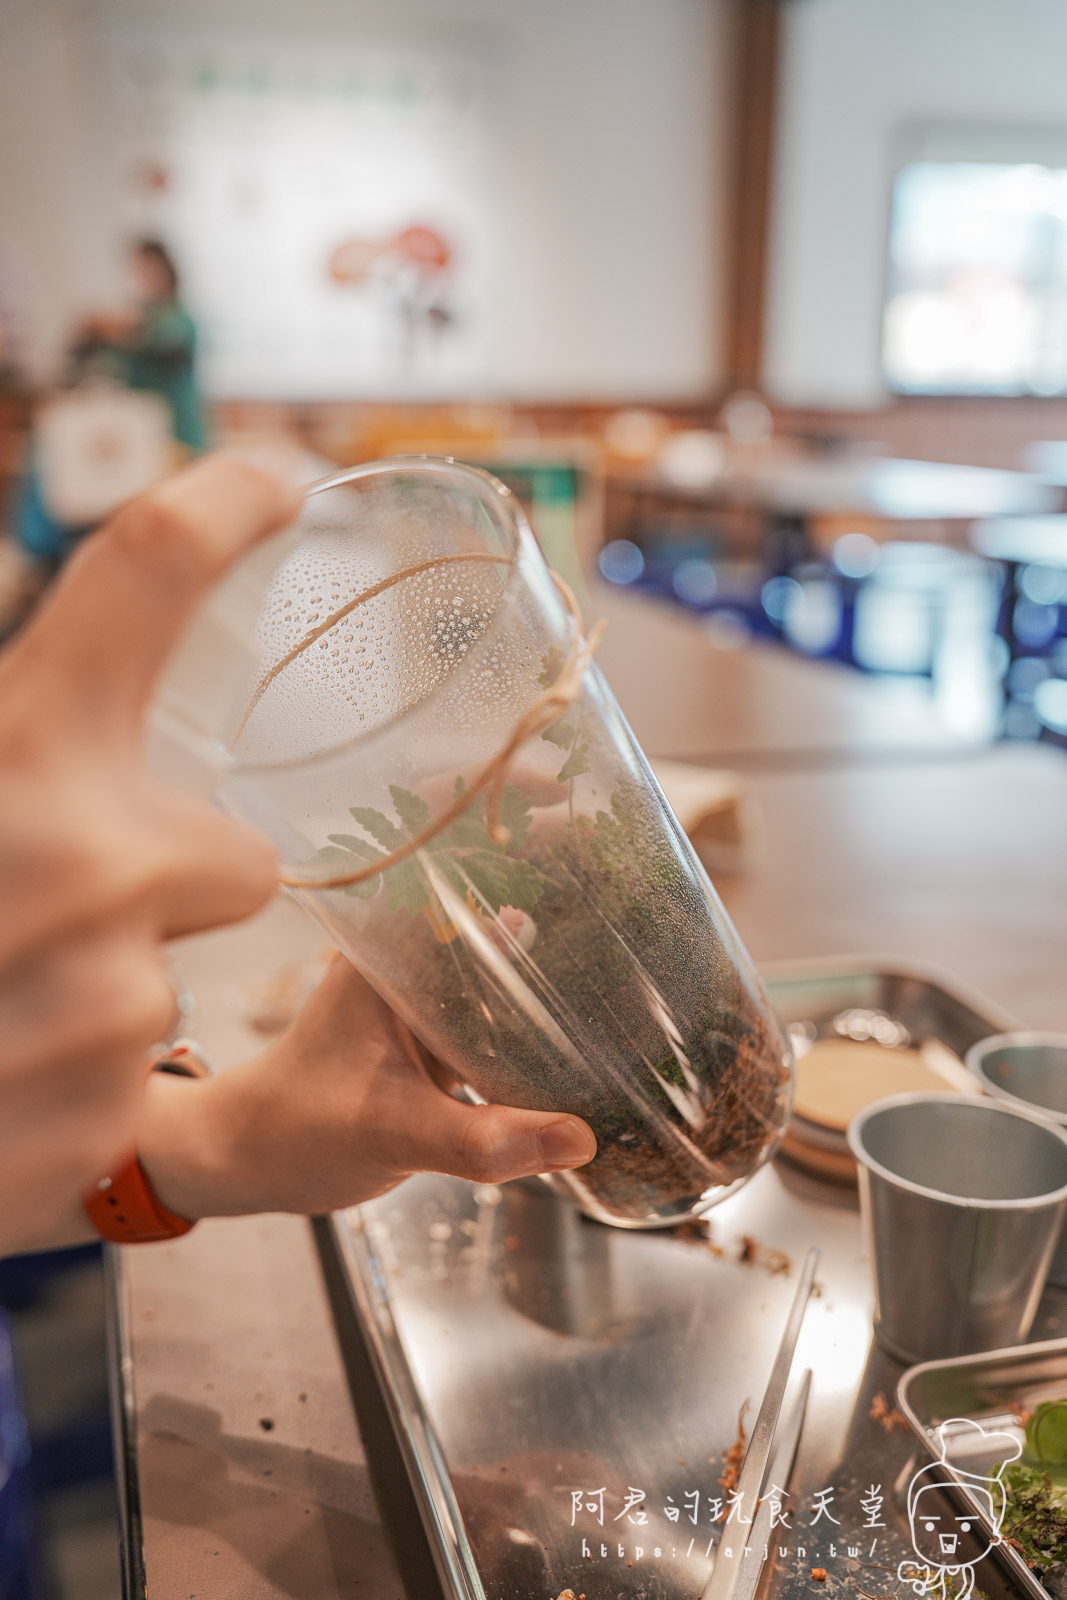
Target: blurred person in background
[
  {"x": 148, "y": 349},
  {"x": 153, "y": 346}
]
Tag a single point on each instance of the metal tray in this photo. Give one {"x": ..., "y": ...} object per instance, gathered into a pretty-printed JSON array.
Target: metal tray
[
  {"x": 991, "y": 1389},
  {"x": 916, "y": 1009},
  {"x": 532, "y": 1359},
  {"x": 929, "y": 1005}
]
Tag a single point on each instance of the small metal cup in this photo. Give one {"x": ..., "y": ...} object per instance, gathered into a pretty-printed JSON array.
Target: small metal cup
[
  {"x": 962, "y": 1201},
  {"x": 1028, "y": 1070}
]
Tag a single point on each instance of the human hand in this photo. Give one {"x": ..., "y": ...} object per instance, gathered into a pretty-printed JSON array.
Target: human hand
[
  {"x": 338, "y": 1110},
  {"x": 99, "y": 864}
]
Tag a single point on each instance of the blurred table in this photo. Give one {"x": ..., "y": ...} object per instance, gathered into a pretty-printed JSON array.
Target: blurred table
[
  {"x": 1019, "y": 541},
  {"x": 1047, "y": 460},
  {"x": 253, "y": 1476},
  {"x": 690, "y": 699},
  {"x": 898, "y": 491},
  {"x": 961, "y": 864}
]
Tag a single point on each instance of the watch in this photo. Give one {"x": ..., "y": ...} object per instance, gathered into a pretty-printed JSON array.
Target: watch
[{"x": 122, "y": 1205}]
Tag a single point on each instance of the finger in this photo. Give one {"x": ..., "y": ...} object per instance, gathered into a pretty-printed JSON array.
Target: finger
[
  {"x": 222, "y": 871},
  {"x": 490, "y": 1144},
  {"x": 140, "y": 858},
  {"x": 77, "y": 1026},
  {"x": 420, "y": 1128},
  {"x": 125, "y": 596},
  {"x": 101, "y": 996}
]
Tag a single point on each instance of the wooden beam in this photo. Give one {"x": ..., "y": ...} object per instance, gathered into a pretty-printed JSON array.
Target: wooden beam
[{"x": 757, "y": 27}]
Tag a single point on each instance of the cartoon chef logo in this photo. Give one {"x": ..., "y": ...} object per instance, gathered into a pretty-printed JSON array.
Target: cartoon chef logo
[{"x": 938, "y": 1527}]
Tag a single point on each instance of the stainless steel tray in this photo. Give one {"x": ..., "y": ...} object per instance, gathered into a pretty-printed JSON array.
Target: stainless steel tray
[
  {"x": 990, "y": 1389},
  {"x": 529, "y": 1357},
  {"x": 930, "y": 1005}
]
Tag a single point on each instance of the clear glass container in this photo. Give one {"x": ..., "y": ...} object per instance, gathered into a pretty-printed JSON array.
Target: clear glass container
[{"x": 575, "y": 956}]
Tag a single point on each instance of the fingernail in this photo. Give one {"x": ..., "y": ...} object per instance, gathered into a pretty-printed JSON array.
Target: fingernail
[{"x": 566, "y": 1143}]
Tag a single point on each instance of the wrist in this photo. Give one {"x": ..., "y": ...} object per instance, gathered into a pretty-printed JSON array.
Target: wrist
[{"x": 186, "y": 1145}]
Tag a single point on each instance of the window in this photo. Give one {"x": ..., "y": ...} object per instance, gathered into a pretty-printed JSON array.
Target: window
[{"x": 977, "y": 292}]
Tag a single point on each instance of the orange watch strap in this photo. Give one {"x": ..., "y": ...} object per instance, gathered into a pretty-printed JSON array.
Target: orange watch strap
[
  {"x": 122, "y": 1206},
  {"x": 123, "y": 1209}
]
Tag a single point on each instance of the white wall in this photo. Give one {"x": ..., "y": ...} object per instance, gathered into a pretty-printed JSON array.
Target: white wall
[
  {"x": 610, "y": 152},
  {"x": 42, "y": 122},
  {"x": 855, "y": 74}
]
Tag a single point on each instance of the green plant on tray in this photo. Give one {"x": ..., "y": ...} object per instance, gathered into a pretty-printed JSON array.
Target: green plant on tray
[{"x": 1035, "y": 1513}]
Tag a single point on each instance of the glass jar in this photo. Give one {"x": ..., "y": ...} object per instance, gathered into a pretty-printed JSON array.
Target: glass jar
[{"x": 556, "y": 943}]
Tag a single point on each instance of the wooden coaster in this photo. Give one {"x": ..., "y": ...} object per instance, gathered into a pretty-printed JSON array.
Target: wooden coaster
[
  {"x": 837, "y": 1166},
  {"x": 838, "y": 1077}
]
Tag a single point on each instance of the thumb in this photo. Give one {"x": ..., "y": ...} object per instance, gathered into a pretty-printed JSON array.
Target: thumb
[
  {"x": 124, "y": 598},
  {"x": 490, "y": 1144}
]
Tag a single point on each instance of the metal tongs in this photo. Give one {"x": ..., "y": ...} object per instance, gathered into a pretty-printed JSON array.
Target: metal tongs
[{"x": 736, "y": 1577}]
